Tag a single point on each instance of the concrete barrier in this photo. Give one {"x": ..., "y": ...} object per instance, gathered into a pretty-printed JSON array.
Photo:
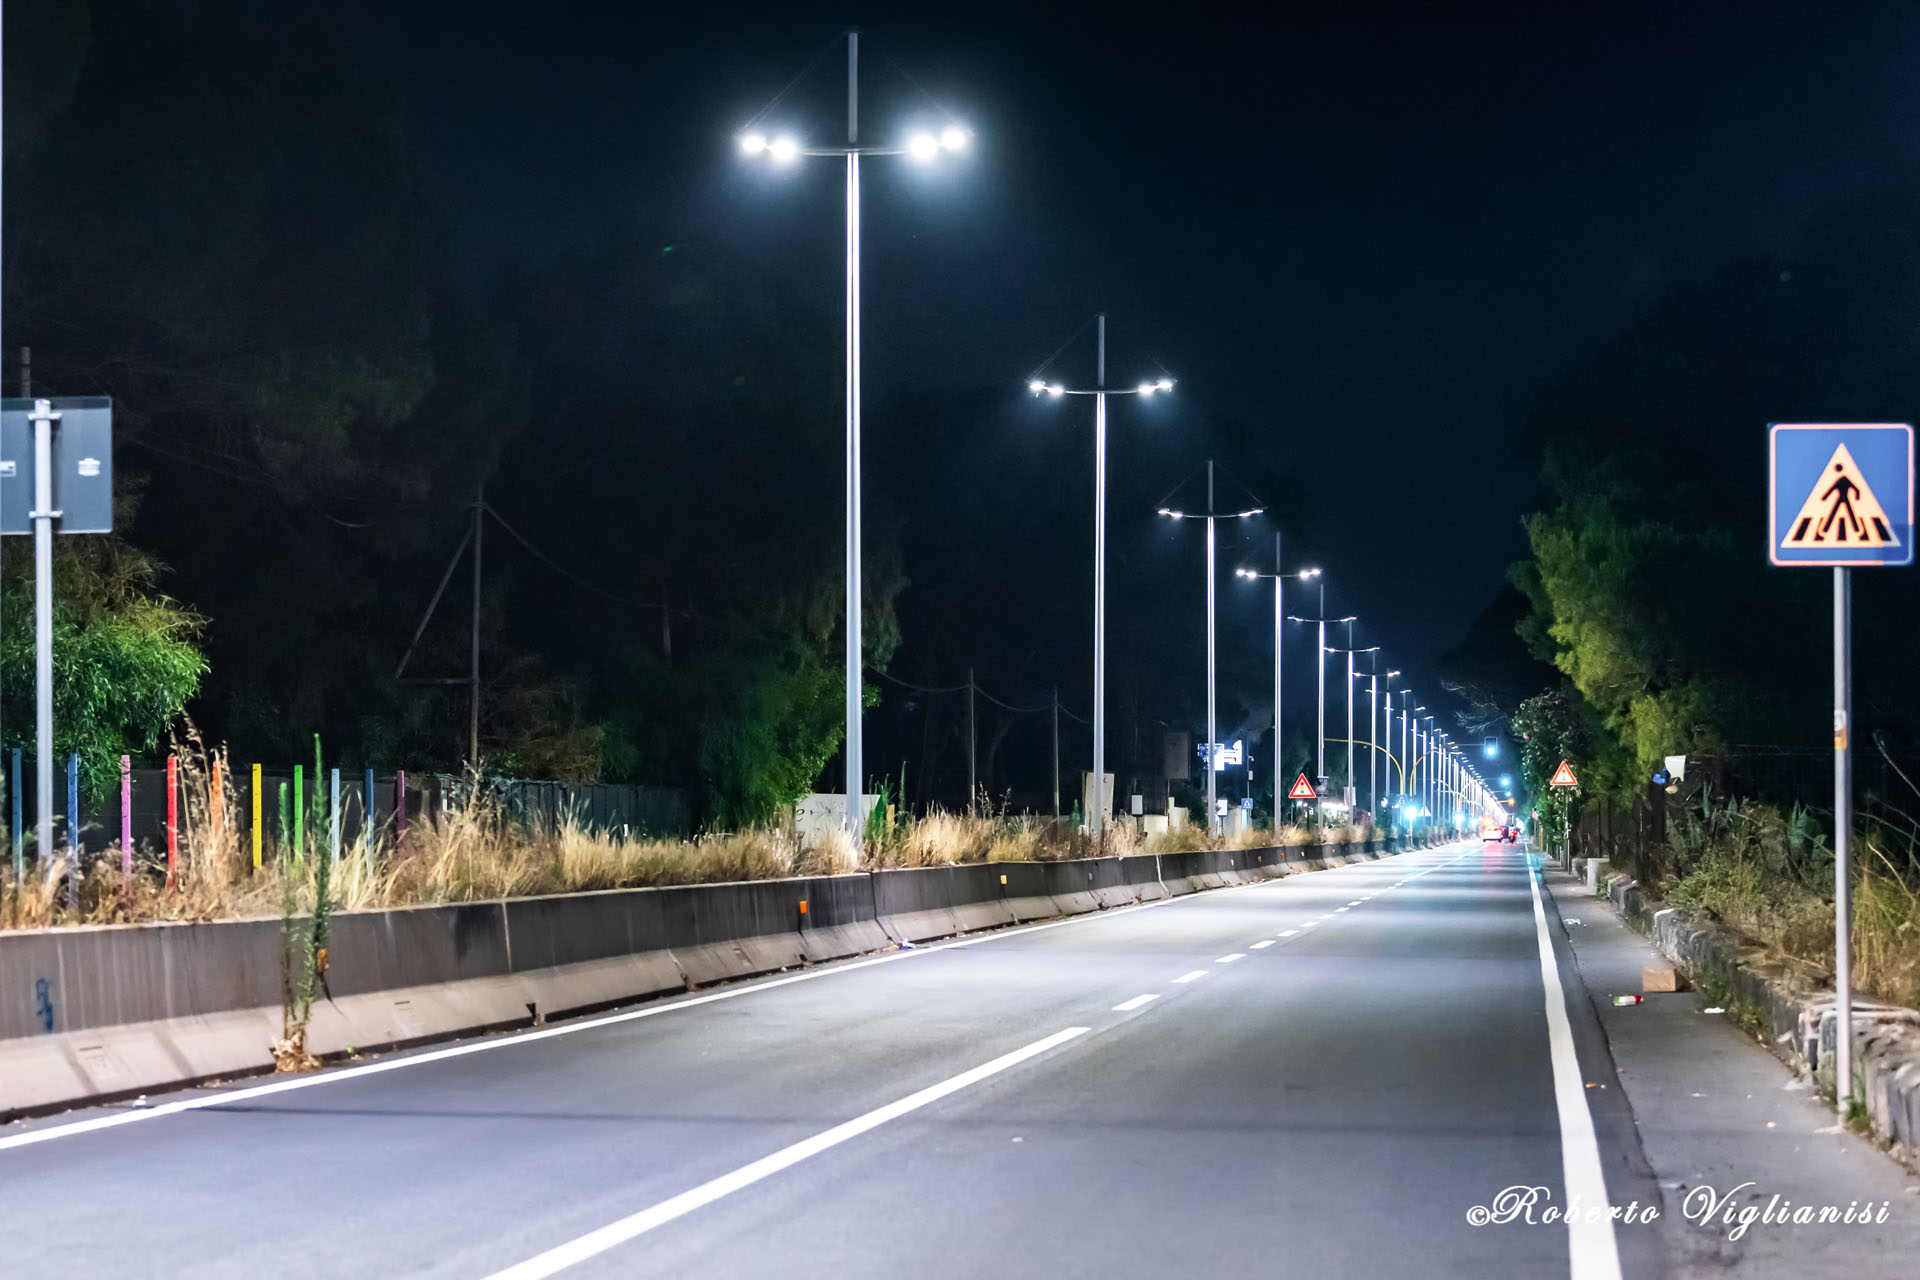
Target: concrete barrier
[{"x": 109, "y": 1011}]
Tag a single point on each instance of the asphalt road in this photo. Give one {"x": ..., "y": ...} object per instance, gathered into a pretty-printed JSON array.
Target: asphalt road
[{"x": 1317, "y": 1076}]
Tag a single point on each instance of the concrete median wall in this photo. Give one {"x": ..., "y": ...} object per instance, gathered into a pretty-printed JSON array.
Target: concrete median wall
[{"x": 99, "y": 1012}]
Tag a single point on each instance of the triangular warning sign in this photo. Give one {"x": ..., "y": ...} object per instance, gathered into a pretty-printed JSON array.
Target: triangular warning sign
[
  {"x": 1563, "y": 777},
  {"x": 1841, "y": 511},
  {"x": 1302, "y": 790}
]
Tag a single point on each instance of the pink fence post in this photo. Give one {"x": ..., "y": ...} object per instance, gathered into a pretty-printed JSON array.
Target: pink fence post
[{"x": 126, "y": 817}]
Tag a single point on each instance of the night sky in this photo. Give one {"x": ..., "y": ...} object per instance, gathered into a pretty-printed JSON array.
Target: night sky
[{"x": 1365, "y": 232}]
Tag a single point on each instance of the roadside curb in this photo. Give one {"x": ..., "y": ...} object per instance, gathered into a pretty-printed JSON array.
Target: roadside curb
[{"x": 1789, "y": 1005}]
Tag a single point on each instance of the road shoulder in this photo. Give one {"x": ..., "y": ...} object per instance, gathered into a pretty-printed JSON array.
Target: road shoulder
[{"x": 1722, "y": 1121}]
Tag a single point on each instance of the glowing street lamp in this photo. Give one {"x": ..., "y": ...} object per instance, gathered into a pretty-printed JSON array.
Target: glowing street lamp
[
  {"x": 1279, "y": 615},
  {"x": 1097, "y": 817},
  {"x": 1210, "y": 516},
  {"x": 785, "y": 149}
]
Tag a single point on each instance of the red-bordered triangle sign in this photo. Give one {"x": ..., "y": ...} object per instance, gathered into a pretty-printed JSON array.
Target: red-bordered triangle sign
[
  {"x": 1302, "y": 790},
  {"x": 1563, "y": 777}
]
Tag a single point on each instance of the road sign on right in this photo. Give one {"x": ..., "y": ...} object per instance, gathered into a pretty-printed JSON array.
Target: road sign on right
[{"x": 1840, "y": 494}]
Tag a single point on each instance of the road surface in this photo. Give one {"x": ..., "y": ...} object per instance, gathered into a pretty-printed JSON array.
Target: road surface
[{"x": 1316, "y": 1076}]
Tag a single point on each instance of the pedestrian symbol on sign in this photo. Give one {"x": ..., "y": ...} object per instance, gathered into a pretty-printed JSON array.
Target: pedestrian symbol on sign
[{"x": 1841, "y": 510}]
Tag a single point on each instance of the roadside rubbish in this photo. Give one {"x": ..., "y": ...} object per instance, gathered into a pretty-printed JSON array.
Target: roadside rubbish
[
  {"x": 1713, "y": 1009},
  {"x": 1624, "y": 1000},
  {"x": 1662, "y": 978}
]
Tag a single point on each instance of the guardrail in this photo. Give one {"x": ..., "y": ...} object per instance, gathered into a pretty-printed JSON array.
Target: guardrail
[{"x": 110, "y": 1011}]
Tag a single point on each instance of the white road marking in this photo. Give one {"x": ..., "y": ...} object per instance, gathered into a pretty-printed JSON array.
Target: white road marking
[
  {"x": 1339, "y": 910},
  {"x": 1356, "y": 902},
  {"x": 1309, "y": 924},
  {"x": 1262, "y": 946},
  {"x": 1128, "y": 1006},
  {"x": 1288, "y": 933},
  {"x": 1191, "y": 975},
  {"x": 1591, "y": 1248},
  {"x": 597, "y": 1242},
  {"x": 1238, "y": 955}
]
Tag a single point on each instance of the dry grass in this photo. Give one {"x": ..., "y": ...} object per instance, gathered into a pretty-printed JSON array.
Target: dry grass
[{"x": 471, "y": 852}]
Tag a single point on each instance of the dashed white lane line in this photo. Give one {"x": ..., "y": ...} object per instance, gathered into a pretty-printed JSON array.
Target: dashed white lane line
[
  {"x": 1340, "y": 910},
  {"x": 594, "y": 1243},
  {"x": 1309, "y": 924},
  {"x": 1262, "y": 946},
  {"x": 1288, "y": 933},
  {"x": 1356, "y": 902},
  {"x": 1128, "y": 1006},
  {"x": 1238, "y": 955},
  {"x": 1191, "y": 975}
]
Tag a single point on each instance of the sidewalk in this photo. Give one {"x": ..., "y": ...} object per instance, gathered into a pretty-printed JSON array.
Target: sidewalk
[{"x": 1713, "y": 1109}]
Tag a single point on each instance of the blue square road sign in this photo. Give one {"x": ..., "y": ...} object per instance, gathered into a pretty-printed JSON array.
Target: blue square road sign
[{"x": 1840, "y": 494}]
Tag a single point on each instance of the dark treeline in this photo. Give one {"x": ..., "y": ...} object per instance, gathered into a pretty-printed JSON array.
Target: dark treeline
[{"x": 312, "y": 396}]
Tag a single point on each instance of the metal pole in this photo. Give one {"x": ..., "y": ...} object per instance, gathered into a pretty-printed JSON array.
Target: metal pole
[
  {"x": 43, "y": 516},
  {"x": 1056, "y": 753},
  {"x": 1373, "y": 748},
  {"x": 1213, "y": 733},
  {"x": 972, "y": 741},
  {"x": 1320, "y": 751},
  {"x": 855, "y": 685},
  {"x": 1096, "y": 821},
  {"x": 1842, "y": 837},
  {"x": 1386, "y": 725},
  {"x": 1352, "y": 791},
  {"x": 1279, "y": 631},
  {"x": 473, "y": 671}
]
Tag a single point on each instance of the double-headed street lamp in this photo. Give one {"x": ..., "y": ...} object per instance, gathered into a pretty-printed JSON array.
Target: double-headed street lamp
[
  {"x": 1373, "y": 732},
  {"x": 1353, "y": 792},
  {"x": 784, "y": 149},
  {"x": 1279, "y": 616},
  {"x": 1320, "y": 757},
  {"x": 1210, "y": 515},
  {"x": 1097, "y": 816}
]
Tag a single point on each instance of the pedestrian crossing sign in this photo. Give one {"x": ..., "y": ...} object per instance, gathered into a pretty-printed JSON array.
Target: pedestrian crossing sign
[
  {"x": 1841, "y": 494},
  {"x": 1302, "y": 789}
]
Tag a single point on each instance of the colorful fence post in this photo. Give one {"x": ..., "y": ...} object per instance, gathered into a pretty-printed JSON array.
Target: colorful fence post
[
  {"x": 173, "y": 816},
  {"x": 299, "y": 809},
  {"x": 126, "y": 817},
  {"x": 19, "y": 844},
  {"x": 333, "y": 821},
  {"x": 73, "y": 829},
  {"x": 254, "y": 796},
  {"x": 369, "y": 807},
  {"x": 399, "y": 808}
]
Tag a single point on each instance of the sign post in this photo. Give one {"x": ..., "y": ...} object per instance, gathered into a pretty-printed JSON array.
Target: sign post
[
  {"x": 70, "y": 478},
  {"x": 1841, "y": 495}
]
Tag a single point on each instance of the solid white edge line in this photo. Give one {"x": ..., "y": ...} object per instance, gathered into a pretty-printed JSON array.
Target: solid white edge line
[
  {"x": 1128, "y": 1006},
  {"x": 599, "y": 1241},
  {"x": 1591, "y": 1249},
  {"x": 1191, "y": 975},
  {"x": 530, "y": 1036}
]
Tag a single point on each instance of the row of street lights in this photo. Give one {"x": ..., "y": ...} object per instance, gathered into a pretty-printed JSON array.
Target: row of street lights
[{"x": 785, "y": 149}]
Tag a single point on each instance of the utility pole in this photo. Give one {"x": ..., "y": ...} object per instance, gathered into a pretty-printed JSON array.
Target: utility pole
[
  {"x": 1056, "y": 753},
  {"x": 473, "y": 671},
  {"x": 973, "y": 789},
  {"x": 1213, "y": 733}
]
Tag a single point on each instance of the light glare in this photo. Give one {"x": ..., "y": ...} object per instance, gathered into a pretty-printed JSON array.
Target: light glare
[
  {"x": 753, "y": 143},
  {"x": 923, "y": 146},
  {"x": 1036, "y": 386},
  {"x": 784, "y": 150},
  {"x": 953, "y": 138}
]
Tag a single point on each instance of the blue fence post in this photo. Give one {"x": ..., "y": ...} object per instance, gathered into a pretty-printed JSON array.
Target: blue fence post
[
  {"x": 369, "y": 813},
  {"x": 73, "y": 830}
]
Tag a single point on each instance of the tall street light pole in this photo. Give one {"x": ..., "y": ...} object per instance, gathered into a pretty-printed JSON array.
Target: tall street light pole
[
  {"x": 1097, "y": 814},
  {"x": 1352, "y": 791},
  {"x": 784, "y": 149},
  {"x": 1210, "y": 515},
  {"x": 1279, "y": 617},
  {"x": 1320, "y": 750}
]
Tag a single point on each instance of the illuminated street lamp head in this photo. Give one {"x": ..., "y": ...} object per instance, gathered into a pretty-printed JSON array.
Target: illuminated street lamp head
[
  {"x": 784, "y": 150},
  {"x": 1165, "y": 384},
  {"x": 1245, "y": 573},
  {"x": 955, "y": 138},
  {"x": 1309, "y": 573},
  {"x": 753, "y": 143},
  {"x": 923, "y": 146},
  {"x": 1389, "y": 675}
]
